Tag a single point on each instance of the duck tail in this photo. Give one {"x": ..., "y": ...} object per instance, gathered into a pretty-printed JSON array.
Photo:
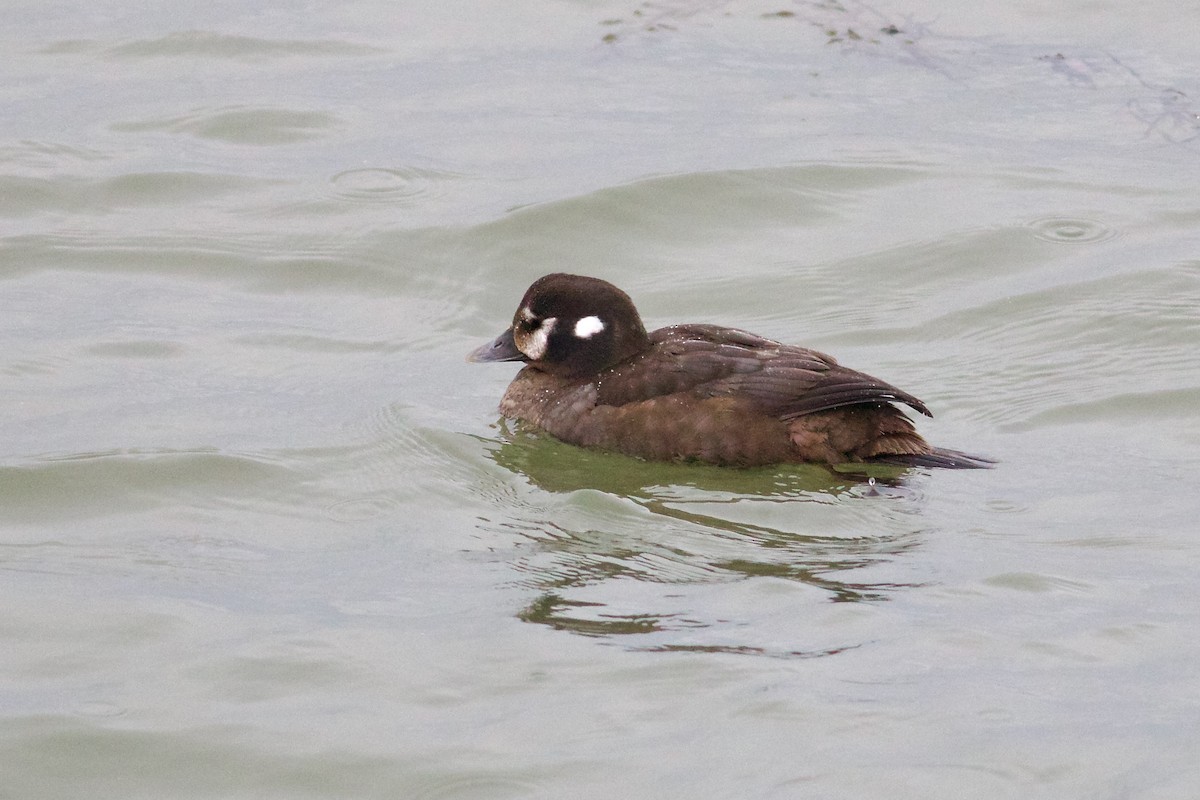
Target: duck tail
[{"x": 937, "y": 457}]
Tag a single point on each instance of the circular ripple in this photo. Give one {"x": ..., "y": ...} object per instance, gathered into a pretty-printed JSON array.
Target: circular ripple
[
  {"x": 378, "y": 185},
  {"x": 1064, "y": 230}
]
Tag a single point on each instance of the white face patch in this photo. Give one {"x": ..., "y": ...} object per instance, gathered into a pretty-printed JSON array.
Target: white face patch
[
  {"x": 527, "y": 314},
  {"x": 587, "y": 327},
  {"x": 535, "y": 344}
]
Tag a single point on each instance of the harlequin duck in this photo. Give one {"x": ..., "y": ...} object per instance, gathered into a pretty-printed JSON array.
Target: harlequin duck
[{"x": 706, "y": 393}]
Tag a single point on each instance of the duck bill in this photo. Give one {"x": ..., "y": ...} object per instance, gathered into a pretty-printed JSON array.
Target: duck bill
[{"x": 502, "y": 349}]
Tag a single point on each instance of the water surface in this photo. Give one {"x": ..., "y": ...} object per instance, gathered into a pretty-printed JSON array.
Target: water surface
[{"x": 262, "y": 533}]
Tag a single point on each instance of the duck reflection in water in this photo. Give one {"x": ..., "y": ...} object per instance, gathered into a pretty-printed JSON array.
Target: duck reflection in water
[{"x": 621, "y": 523}]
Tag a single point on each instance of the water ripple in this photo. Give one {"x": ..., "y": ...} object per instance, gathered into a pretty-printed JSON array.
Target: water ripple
[
  {"x": 251, "y": 125},
  {"x": 210, "y": 44},
  {"x": 48, "y": 156},
  {"x": 614, "y": 547},
  {"x": 399, "y": 458},
  {"x": 1067, "y": 230},
  {"x": 125, "y": 481},
  {"x": 21, "y": 196},
  {"x": 389, "y": 185}
]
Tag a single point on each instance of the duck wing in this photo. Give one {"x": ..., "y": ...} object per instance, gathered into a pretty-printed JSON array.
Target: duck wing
[{"x": 712, "y": 361}]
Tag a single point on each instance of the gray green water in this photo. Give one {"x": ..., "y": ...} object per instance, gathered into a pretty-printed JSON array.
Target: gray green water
[{"x": 263, "y": 535}]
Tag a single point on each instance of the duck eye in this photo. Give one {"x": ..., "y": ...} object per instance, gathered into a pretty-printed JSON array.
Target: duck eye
[
  {"x": 529, "y": 322},
  {"x": 587, "y": 327},
  {"x": 533, "y": 337}
]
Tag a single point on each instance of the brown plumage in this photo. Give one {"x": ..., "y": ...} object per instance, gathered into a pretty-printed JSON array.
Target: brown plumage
[{"x": 595, "y": 378}]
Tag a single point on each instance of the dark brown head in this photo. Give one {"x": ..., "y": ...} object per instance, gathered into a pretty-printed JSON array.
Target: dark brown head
[{"x": 570, "y": 325}]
